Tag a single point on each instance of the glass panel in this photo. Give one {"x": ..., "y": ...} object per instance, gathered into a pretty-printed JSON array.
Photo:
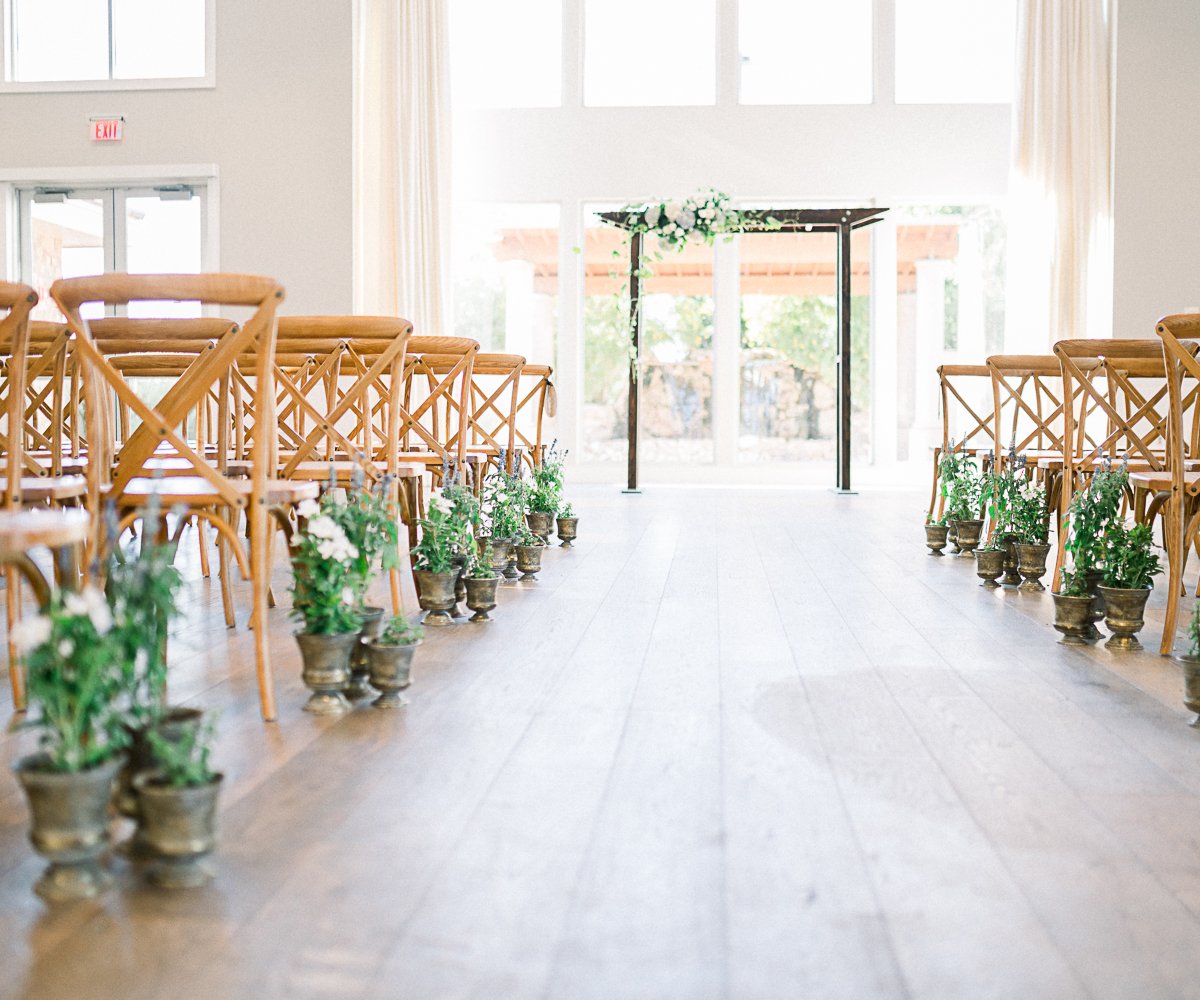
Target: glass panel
[
  {"x": 163, "y": 237},
  {"x": 506, "y": 55},
  {"x": 950, "y": 292},
  {"x": 156, "y": 40},
  {"x": 646, "y": 53},
  {"x": 60, "y": 40},
  {"x": 506, "y": 278},
  {"x": 68, "y": 242},
  {"x": 603, "y": 436},
  {"x": 955, "y": 51},
  {"x": 832, "y": 67}
]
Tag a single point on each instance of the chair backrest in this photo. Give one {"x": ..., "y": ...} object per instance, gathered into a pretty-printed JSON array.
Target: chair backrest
[
  {"x": 17, "y": 301},
  {"x": 1179, "y": 336},
  {"x": 437, "y": 394},
  {"x": 111, "y": 468},
  {"x": 1027, "y": 408},
  {"x": 967, "y": 417},
  {"x": 490, "y": 419},
  {"x": 537, "y": 400},
  {"x": 52, "y": 423}
]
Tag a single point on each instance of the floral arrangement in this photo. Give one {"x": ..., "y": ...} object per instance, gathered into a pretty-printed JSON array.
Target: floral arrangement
[
  {"x": 961, "y": 486},
  {"x": 441, "y": 537},
  {"x": 504, "y": 504},
  {"x": 369, "y": 522},
  {"x": 74, "y": 654},
  {"x": 700, "y": 218},
  {"x": 326, "y": 573},
  {"x": 1030, "y": 519},
  {"x": 544, "y": 493},
  {"x": 466, "y": 511}
]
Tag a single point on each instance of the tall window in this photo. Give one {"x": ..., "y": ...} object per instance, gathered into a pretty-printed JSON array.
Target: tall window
[
  {"x": 649, "y": 53},
  {"x": 86, "y": 40},
  {"x": 955, "y": 51},
  {"x": 506, "y": 55},
  {"x": 805, "y": 52}
]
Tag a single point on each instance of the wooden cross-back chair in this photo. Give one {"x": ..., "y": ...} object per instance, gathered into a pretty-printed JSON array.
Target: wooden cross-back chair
[
  {"x": 537, "y": 400},
  {"x": 490, "y": 418},
  {"x": 967, "y": 419},
  {"x": 1027, "y": 405},
  {"x": 436, "y": 398},
  {"x": 52, "y": 442},
  {"x": 119, "y": 475}
]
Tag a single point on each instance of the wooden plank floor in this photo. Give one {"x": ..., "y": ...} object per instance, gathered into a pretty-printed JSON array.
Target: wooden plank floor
[{"x": 744, "y": 744}]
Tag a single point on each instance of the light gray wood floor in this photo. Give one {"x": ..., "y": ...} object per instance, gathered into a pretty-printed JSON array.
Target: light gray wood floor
[{"x": 744, "y": 744}]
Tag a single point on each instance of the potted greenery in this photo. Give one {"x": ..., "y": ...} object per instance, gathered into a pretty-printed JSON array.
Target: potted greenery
[
  {"x": 1002, "y": 499},
  {"x": 74, "y": 658},
  {"x": 434, "y": 566},
  {"x": 544, "y": 494},
  {"x": 963, "y": 498},
  {"x": 1190, "y": 661},
  {"x": 389, "y": 657},
  {"x": 989, "y": 564},
  {"x": 529, "y": 554},
  {"x": 1030, "y": 522},
  {"x": 949, "y": 465},
  {"x": 325, "y": 599},
  {"x": 481, "y": 584},
  {"x": 567, "y": 523},
  {"x": 503, "y": 516},
  {"x": 466, "y": 513},
  {"x": 179, "y": 807},
  {"x": 936, "y": 532},
  {"x": 1129, "y": 568}
]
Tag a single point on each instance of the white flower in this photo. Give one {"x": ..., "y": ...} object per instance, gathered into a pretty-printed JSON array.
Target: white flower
[
  {"x": 91, "y": 603},
  {"x": 501, "y": 497},
  {"x": 66, "y": 648},
  {"x": 439, "y": 502},
  {"x": 29, "y": 633},
  {"x": 652, "y": 215},
  {"x": 308, "y": 509},
  {"x": 323, "y": 527},
  {"x": 348, "y": 596},
  {"x": 671, "y": 210},
  {"x": 76, "y": 605},
  {"x": 707, "y": 213},
  {"x": 141, "y": 660},
  {"x": 101, "y": 618},
  {"x": 687, "y": 219}
]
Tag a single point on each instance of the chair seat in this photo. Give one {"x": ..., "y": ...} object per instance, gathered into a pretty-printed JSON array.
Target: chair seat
[
  {"x": 23, "y": 529},
  {"x": 39, "y": 489},
  {"x": 343, "y": 469},
  {"x": 1160, "y": 481},
  {"x": 198, "y": 491}
]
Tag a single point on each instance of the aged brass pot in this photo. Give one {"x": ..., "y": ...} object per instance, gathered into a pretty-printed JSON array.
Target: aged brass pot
[
  {"x": 1191, "y": 686},
  {"x": 1072, "y": 616},
  {"x": 935, "y": 538},
  {"x": 1099, "y": 611},
  {"x": 372, "y": 625},
  {"x": 481, "y": 596},
  {"x": 501, "y": 553},
  {"x": 568, "y": 529},
  {"x": 460, "y": 590},
  {"x": 435, "y": 593},
  {"x": 989, "y": 564},
  {"x": 68, "y": 825},
  {"x": 967, "y": 535},
  {"x": 1031, "y": 560},
  {"x": 1008, "y": 542},
  {"x": 529, "y": 561},
  {"x": 173, "y": 726},
  {"x": 180, "y": 828},
  {"x": 391, "y": 672},
  {"x": 1125, "y": 609},
  {"x": 540, "y": 522},
  {"x": 326, "y": 670},
  {"x": 952, "y": 537}
]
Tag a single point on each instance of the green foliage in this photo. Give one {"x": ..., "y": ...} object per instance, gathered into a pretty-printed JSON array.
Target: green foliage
[
  {"x": 183, "y": 763},
  {"x": 481, "y": 564},
  {"x": 504, "y": 504},
  {"x": 1129, "y": 559},
  {"x": 75, "y": 661},
  {"x": 398, "y": 632},
  {"x": 1193, "y": 632},
  {"x": 527, "y": 537},
  {"x": 441, "y": 537},
  {"x": 567, "y": 510},
  {"x": 327, "y": 578},
  {"x": 1000, "y": 490},
  {"x": 1073, "y": 584},
  {"x": 1089, "y": 517},
  {"x": 544, "y": 494},
  {"x": 369, "y": 520},
  {"x": 1029, "y": 516},
  {"x": 961, "y": 485}
]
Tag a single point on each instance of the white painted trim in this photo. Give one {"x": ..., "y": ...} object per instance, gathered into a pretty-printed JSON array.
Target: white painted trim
[{"x": 154, "y": 173}]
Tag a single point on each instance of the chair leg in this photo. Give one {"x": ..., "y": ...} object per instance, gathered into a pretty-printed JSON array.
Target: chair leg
[
  {"x": 270, "y": 561},
  {"x": 260, "y": 577},
  {"x": 202, "y": 542},
  {"x": 937, "y": 454},
  {"x": 223, "y": 570},
  {"x": 16, "y": 669},
  {"x": 1173, "y": 538}
]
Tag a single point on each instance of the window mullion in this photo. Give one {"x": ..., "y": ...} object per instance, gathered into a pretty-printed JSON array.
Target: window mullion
[{"x": 111, "y": 43}]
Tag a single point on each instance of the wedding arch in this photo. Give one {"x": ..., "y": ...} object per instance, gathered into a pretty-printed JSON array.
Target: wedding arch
[{"x": 709, "y": 217}]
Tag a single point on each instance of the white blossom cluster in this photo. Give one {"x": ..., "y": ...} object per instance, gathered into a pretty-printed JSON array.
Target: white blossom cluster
[
  {"x": 32, "y": 632},
  {"x": 332, "y": 542},
  {"x": 697, "y": 217}
]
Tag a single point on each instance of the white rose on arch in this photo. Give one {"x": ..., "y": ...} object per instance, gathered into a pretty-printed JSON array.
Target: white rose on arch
[
  {"x": 687, "y": 219},
  {"x": 652, "y": 215},
  {"x": 672, "y": 210}
]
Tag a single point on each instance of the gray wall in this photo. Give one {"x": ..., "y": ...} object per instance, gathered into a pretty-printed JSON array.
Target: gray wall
[{"x": 278, "y": 126}]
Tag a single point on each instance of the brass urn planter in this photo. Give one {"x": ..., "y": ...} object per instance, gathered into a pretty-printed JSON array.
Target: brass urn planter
[
  {"x": 1125, "y": 610},
  {"x": 1191, "y": 686},
  {"x": 460, "y": 590},
  {"x": 540, "y": 522},
  {"x": 69, "y": 825},
  {"x": 1072, "y": 617},
  {"x": 391, "y": 672},
  {"x": 952, "y": 537},
  {"x": 326, "y": 670},
  {"x": 1012, "y": 574},
  {"x": 967, "y": 535},
  {"x": 989, "y": 564},
  {"x": 568, "y": 530},
  {"x": 501, "y": 551},
  {"x": 481, "y": 596},
  {"x": 435, "y": 593},
  {"x": 173, "y": 726},
  {"x": 372, "y": 623},
  {"x": 179, "y": 826},
  {"x": 935, "y": 538},
  {"x": 1099, "y": 611},
  {"x": 529, "y": 561},
  {"x": 1031, "y": 561}
]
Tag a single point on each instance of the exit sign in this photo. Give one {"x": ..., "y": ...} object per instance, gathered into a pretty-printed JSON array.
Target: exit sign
[{"x": 106, "y": 128}]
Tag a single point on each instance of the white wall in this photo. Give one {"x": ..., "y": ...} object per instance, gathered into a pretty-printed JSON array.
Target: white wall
[
  {"x": 277, "y": 125},
  {"x": 1157, "y": 187}
]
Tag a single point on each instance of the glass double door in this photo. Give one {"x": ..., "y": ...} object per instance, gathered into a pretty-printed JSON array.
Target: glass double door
[{"x": 74, "y": 232}]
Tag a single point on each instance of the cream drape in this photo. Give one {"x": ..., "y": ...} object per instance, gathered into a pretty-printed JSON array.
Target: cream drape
[
  {"x": 402, "y": 161},
  {"x": 1060, "y": 253}
]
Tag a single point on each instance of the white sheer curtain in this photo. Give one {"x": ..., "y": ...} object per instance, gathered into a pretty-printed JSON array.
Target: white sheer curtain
[
  {"x": 402, "y": 161},
  {"x": 1060, "y": 252}
]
